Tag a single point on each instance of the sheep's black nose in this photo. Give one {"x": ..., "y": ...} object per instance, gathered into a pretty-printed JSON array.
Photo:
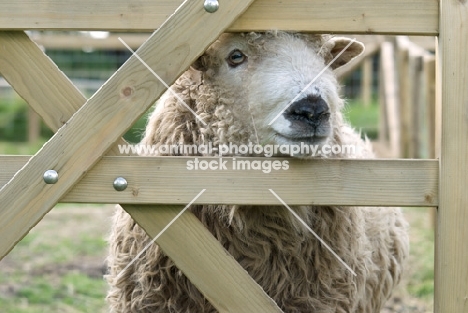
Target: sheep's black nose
[{"x": 312, "y": 110}]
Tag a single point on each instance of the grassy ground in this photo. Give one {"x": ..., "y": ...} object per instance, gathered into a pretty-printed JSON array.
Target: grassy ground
[
  {"x": 20, "y": 148},
  {"x": 365, "y": 118},
  {"x": 59, "y": 265},
  {"x": 416, "y": 290}
]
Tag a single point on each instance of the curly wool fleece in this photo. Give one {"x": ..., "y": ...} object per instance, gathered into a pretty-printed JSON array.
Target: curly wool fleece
[{"x": 291, "y": 265}]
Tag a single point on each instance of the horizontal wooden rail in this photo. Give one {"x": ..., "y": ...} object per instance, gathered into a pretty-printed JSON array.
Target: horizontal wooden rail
[
  {"x": 166, "y": 180},
  {"x": 335, "y": 16}
]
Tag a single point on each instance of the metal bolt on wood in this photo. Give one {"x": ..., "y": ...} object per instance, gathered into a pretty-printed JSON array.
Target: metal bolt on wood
[
  {"x": 50, "y": 177},
  {"x": 211, "y": 6},
  {"x": 120, "y": 184}
]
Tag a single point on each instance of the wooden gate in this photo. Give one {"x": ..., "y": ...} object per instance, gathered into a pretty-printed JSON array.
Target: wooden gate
[{"x": 83, "y": 150}]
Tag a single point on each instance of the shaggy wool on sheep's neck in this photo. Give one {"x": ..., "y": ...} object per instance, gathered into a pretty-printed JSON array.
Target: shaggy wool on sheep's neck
[
  {"x": 277, "y": 251},
  {"x": 294, "y": 271}
]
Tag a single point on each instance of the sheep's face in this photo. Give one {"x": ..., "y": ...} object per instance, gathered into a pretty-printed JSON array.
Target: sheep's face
[{"x": 280, "y": 84}]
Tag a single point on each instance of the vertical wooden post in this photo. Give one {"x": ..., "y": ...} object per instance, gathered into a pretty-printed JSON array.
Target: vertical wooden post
[
  {"x": 366, "y": 81},
  {"x": 416, "y": 109},
  {"x": 403, "y": 79},
  {"x": 383, "y": 118},
  {"x": 430, "y": 117},
  {"x": 409, "y": 113},
  {"x": 34, "y": 126},
  {"x": 389, "y": 95},
  {"x": 451, "y": 262},
  {"x": 429, "y": 72}
]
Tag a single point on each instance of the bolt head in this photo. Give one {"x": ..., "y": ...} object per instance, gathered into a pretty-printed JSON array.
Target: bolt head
[
  {"x": 50, "y": 177},
  {"x": 120, "y": 184},
  {"x": 211, "y": 6}
]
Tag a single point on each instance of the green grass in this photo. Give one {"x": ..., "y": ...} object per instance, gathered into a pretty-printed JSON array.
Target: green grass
[
  {"x": 363, "y": 118},
  {"x": 61, "y": 250},
  {"x": 21, "y": 148},
  {"x": 74, "y": 292},
  {"x": 421, "y": 282},
  {"x": 58, "y": 266}
]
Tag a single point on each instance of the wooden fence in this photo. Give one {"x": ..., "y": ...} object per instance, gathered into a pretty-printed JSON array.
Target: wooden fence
[
  {"x": 83, "y": 156},
  {"x": 407, "y": 88}
]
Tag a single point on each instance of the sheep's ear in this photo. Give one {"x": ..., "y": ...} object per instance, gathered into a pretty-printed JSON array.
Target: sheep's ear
[
  {"x": 339, "y": 43},
  {"x": 200, "y": 64}
]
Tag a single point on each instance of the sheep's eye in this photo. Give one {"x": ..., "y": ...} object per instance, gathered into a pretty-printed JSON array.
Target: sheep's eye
[{"x": 236, "y": 58}]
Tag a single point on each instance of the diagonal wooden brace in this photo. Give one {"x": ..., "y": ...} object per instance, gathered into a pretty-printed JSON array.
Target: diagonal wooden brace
[{"x": 25, "y": 199}]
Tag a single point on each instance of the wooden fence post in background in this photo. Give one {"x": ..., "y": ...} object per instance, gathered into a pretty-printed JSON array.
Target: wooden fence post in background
[
  {"x": 430, "y": 78},
  {"x": 366, "y": 81},
  {"x": 34, "y": 126},
  {"x": 430, "y": 117},
  {"x": 402, "y": 57},
  {"x": 416, "y": 99},
  {"x": 389, "y": 122}
]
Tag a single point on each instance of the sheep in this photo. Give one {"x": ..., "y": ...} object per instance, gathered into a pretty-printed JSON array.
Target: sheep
[{"x": 237, "y": 87}]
